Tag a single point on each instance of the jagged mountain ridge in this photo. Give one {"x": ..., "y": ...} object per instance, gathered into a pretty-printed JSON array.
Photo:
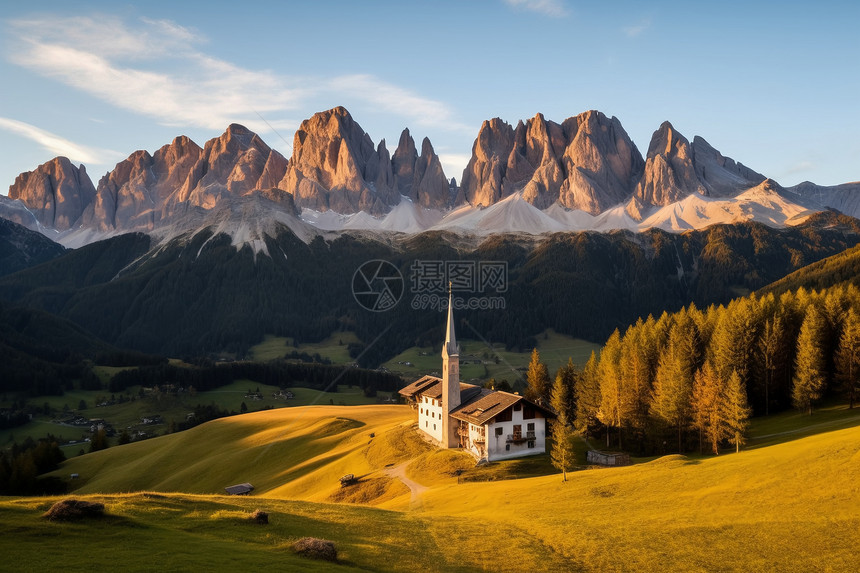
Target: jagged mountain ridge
[{"x": 584, "y": 173}]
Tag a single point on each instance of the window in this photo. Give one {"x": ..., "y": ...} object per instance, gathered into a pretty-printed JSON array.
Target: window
[
  {"x": 500, "y": 431},
  {"x": 426, "y": 423},
  {"x": 531, "y": 427},
  {"x": 434, "y": 426},
  {"x": 531, "y": 443},
  {"x": 529, "y": 412},
  {"x": 517, "y": 407},
  {"x": 504, "y": 416},
  {"x": 507, "y": 447}
]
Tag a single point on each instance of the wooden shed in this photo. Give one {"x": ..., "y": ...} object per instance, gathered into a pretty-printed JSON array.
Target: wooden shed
[
  {"x": 608, "y": 458},
  {"x": 239, "y": 489}
]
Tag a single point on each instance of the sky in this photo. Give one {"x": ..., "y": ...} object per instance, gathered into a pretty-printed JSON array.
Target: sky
[{"x": 773, "y": 85}]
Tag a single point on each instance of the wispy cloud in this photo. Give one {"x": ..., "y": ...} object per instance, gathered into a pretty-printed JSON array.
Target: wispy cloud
[
  {"x": 552, "y": 8},
  {"x": 800, "y": 167},
  {"x": 636, "y": 30},
  {"x": 58, "y": 145},
  {"x": 157, "y": 68}
]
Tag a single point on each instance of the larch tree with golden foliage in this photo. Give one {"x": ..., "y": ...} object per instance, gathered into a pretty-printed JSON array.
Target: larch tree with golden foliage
[
  {"x": 588, "y": 397},
  {"x": 707, "y": 407},
  {"x": 809, "y": 376},
  {"x": 848, "y": 358},
  {"x": 561, "y": 453},
  {"x": 613, "y": 407},
  {"x": 673, "y": 383},
  {"x": 537, "y": 379},
  {"x": 736, "y": 410}
]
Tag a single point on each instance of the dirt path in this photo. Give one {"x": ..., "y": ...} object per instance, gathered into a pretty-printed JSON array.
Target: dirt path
[{"x": 399, "y": 472}]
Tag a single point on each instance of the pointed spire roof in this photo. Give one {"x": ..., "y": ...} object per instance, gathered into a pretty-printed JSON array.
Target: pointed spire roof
[{"x": 450, "y": 337}]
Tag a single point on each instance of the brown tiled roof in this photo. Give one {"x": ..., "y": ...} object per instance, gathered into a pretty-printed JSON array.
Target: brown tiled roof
[
  {"x": 431, "y": 386},
  {"x": 419, "y": 385},
  {"x": 490, "y": 403}
]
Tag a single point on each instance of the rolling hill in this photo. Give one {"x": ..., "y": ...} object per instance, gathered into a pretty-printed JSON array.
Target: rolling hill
[{"x": 736, "y": 512}]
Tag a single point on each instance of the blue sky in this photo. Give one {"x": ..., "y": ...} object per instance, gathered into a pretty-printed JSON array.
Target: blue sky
[{"x": 773, "y": 85}]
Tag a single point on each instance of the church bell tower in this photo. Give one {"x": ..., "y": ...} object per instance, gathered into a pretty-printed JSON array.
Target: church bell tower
[{"x": 450, "y": 379}]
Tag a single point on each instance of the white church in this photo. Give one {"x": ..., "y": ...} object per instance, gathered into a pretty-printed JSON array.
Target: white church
[{"x": 490, "y": 424}]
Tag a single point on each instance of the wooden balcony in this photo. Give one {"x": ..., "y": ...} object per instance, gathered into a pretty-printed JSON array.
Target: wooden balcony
[{"x": 518, "y": 438}]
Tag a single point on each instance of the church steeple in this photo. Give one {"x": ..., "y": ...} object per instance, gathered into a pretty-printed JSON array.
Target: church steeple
[
  {"x": 450, "y": 347},
  {"x": 450, "y": 378}
]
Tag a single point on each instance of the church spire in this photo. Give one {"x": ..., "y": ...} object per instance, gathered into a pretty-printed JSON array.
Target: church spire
[
  {"x": 450, "y": 379},
  {"x": 450, "y": 337}
]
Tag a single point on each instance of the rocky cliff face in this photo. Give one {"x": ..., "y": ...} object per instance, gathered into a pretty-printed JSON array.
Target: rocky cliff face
[
  {"x": 721, "y": 176},
  {"x": 675, "y": 169},
  {"x": 669, "y": 172},
  {"x": 56, "y": 192},
  {"x": 420, "y": 177},
  {"x": 336, "y": 166},
  {"x": 133, "y": 195},
  {"x": 234, "y": 164},
  {"x": 588, "y": 163}
]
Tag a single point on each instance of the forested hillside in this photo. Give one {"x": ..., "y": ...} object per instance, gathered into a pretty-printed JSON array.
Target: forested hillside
[
  {"x": 202, "y": 296},
  {"x": 691, "y": 379}
]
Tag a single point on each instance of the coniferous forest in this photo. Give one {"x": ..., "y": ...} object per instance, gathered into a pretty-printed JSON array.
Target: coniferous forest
[{"x": 690, "y": 380}]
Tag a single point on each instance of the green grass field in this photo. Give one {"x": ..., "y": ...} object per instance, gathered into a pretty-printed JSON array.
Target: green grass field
[
  {"x": 128, "y": 415},
  {"x": 479, "y": 363},
  {"x": 334, "y": 348},
  {"x": 790, "y": 504}
]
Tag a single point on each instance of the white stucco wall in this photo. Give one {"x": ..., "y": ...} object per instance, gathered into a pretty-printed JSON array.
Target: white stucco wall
[
  {"x": 496, "y": 444},
  {"x": 430, "y": 418}
]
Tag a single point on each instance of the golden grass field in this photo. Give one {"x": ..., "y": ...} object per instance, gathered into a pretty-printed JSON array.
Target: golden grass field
[{"x": 787, "y": 506}]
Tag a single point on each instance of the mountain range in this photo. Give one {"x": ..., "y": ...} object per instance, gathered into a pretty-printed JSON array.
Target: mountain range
[{"x": 539, "y": 176}]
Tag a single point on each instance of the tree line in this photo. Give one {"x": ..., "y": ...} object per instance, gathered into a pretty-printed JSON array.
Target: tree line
[
  {"x": 692, "y": 379},
  {"x": 208, "y": 375},
  {"x": 21, "y": 465}
]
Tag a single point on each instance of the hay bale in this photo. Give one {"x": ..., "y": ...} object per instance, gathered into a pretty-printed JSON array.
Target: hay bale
[
  {"x": 74, "y": 509},
  {"x": 316, "y": 548},
  {"x": 259, "y": 516}
]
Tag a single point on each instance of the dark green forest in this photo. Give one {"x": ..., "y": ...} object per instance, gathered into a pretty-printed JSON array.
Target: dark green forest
[{"x": 200, "y": 296}]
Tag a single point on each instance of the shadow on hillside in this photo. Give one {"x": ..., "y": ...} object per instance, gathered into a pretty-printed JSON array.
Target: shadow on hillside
[{"x": 791, "y": 426}]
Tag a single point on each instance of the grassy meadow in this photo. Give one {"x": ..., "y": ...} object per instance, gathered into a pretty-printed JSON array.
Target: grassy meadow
[
  {"x": 791, "y": 502},
  {"x": 479, "y": 362}
]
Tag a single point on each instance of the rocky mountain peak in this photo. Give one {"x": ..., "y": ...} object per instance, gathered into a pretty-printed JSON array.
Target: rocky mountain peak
[
  {"x": 56, "y": 192},
  {"x": 669, "y": 171},
  {"x": 722, "y": 176},
  {"x": 336, "y": 167},
  {"x": 588, "y": 162}
]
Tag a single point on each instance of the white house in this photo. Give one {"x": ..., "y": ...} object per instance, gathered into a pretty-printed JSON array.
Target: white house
[{"x": 490, "y": 424}]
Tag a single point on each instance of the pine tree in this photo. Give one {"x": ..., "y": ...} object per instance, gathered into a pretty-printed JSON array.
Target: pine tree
[
  {"x": 771, "y": 355},
  {"x": 562, "y": 448},
  {"x": 810, "y": 363},
  {"x": 848, "y": 358},
  {"x": 613, "y": 409},
  {"x": 638, "y": 362},
  {"x": 537, "y": 379},
  {"x": 736, "y": 410},
  {"x": 707, "y": 407},
  {"x": 588, "y": 397},
  {"x": 568, "y": 376},
  {"x": 673, "y": 383}
]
